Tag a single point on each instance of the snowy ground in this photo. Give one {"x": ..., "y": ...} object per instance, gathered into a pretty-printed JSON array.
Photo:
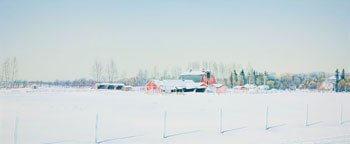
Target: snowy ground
[{"x": 68, "y": 116}]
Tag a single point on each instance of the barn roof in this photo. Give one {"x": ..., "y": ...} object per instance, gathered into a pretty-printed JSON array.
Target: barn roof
[
  {"x": 332, "y": 78},
  {"x": 115, "y": 84},
  {"x": 193, "y": 73},
  {"x": 177, "y": 84}
]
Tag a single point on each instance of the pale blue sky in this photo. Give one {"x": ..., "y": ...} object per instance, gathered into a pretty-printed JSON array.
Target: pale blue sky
[{"x": 61, "y": 39}]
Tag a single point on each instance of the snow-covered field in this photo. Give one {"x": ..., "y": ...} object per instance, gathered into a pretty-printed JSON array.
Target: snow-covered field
[{"x": 68, "y": 116}]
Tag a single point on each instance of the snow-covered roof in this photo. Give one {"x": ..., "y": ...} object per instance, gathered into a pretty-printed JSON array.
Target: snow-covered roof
[
  {"x": 250, "y": 86},
  {"x": 332, "y": 78},
  {"x": 192, "y": 85},
  {"x": 174, "y": 84},
  {"x": 193, "y": 73},
  {"x": 217, "y": 85},
  {"x": 101, "y": 83},
  {"x": 158, "y": 82},
  {"x": 115, "y": 84},
  {"x": 178, "y": 84},
  {"x": 263, "y": 87}
]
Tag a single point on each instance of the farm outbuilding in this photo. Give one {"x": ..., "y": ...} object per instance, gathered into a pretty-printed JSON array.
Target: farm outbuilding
[
  {"x": 205, "y": 77},
  {"x": 241, "y": 88},
  {"x": 111, "y": 86},
  {"x": 219, "y": 88},
  {"x": 192, "y": 81},
  {"x": 156, "y": 86}
]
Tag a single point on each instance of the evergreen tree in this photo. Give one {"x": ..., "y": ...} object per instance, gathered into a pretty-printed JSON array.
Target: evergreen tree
[
  {"x": 261, "y": 79},
  {"x": 252, "y": 78},
  {"x": 341, "y": 85},
  {"x": 254, "y": 75},
  {"x": 336, "y": 80},
  {"x": 271, "y": 84},
  {"x": 249, "y": 77},
  {"x": 341, "y": 82},
  {"x": 243, "y": 76},
  {"x": 265, "y": 77},
  {"x": 236, "y": 76},
  {"x": 258, "y": 80},
  {"x": 342, "y": 76},
  {"x": 231, "y": 80},
  {"x": 240, "y": 80},
  {"x": 296, "y": 82}
]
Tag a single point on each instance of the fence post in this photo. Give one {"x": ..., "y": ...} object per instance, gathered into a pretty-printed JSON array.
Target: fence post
[
  {"x": 221, "y": 120},
  {"x": 164, "y": 124},
  {"x": 267, "y": 116},
  {"x": 96, "y": 128},
  {"x": 307, "y": 115},
  {"x": 16, "y": 130},
  {"x": 341, "y": 114}
]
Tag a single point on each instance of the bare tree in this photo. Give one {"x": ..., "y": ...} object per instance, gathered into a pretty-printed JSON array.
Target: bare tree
[
  {"x": 195, "y": 66},
  {"x": 165, "y": 75},
  {"x": 6, "y": 72},
  {"x": 109, "y": 72},
  {"x": 124, "y": 74},
  {"x": 175, "y": 72},
  {"x": 214, "y": 68},
  {"x": 112, "y": 72},
  {"x": 221, "y": 70},
  {"x": 155, "y": 73},
  {"x": 14, "y": 71},
  {"x": 146, "y": 74},
  {"x": 97, "y": 69},
  {"x": 140, "y": 77},
  {"x": 1, "y": 75}
]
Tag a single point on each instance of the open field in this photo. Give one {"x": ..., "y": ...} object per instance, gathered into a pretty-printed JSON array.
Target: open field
[{"x": 68, "y": 116}]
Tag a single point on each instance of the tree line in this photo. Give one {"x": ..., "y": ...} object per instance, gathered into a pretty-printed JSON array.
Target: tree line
[
  {"x": 229, "y": 74},
  {"x": 287, "y": 81},
  {"x": 234, "y": 75}
]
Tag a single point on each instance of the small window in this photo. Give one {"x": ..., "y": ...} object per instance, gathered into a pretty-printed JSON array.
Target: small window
[
  {"x": 111, "y": 87},
  {"x": 101, "y": 87}
]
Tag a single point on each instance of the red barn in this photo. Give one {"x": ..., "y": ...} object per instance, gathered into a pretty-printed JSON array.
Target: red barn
[
  {"x": 220, "y": 88},
  {"x": 199, "y": 76},
  {"x": 153, "y": 86}
]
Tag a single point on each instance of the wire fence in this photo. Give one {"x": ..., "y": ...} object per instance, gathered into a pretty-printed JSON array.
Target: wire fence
[{"x": 342, "y": 139}]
